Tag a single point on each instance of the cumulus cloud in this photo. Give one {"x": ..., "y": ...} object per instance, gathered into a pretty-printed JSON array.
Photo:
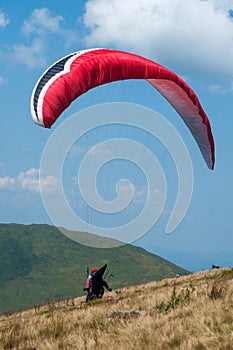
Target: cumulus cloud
[
  {"x": 40, "y": 29},
  {"x": 41, "y": 21},
  {"x": 220, "y": 90},
  {"x": 8, "y": 183},
  {"x": 1, "y": 167},
  {"x": 2, "y": 80},
  {"x": 4, "y": 20},
  {"x": 192, "y": 35},
  {"x": 28, "y": 181},
  {"x": 76, "y": 151},
  {"x": 33, "y": 55}
]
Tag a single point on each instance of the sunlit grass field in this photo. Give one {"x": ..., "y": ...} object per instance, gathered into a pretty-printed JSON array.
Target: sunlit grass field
[{"x": 193, "y": 312}]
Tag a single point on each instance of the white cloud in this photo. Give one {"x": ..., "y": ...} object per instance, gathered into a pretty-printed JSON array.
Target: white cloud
[
  {"x": 40, "y": 30},
  {"x": 191, "y": 35},
  {"x": 33, "y": 55},
  {"x": 8, "y": 183},
  {"x": 223, "y": 4},
  {"x": 141, "y": 194},
  {"x": 220, "y": 90},
  {"x": 40, "y": 25},
  {"x": 101, "y": 153},
  {"x": 41, "y": 22},
  {"x": 4, "y": 20},
  {"x": 29, "y": 181},
  {"x": 1, "y": 167},
  {"x": 2, "y": 80},
  {"x": 76, "y": 151}
]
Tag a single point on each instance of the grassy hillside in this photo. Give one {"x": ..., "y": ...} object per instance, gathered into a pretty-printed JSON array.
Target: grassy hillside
[
  {"x": 192, "y": 312},
  {"x": 39, "y": 264}
]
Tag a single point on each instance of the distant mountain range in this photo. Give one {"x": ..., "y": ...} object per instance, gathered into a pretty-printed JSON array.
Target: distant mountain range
[{"x": 39, "y": 264}]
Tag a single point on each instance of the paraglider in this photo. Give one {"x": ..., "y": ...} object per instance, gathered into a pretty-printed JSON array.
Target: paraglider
[
  {"x": 95, "y": 284},
  {"x": 81, "y": 71}
]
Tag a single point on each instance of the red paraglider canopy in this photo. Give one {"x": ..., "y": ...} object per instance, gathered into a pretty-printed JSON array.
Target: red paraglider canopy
[{"x": 81, "y": 71}]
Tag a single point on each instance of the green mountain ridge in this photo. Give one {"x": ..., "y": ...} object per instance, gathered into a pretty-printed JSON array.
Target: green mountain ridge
[{"x": 39, "y": 264}]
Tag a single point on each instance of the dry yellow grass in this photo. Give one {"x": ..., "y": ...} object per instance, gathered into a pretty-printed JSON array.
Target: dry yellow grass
[{"x": 195, "y": 315}]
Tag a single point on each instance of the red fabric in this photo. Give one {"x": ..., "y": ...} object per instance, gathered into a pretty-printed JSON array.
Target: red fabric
[
  {"x": 88, "y": 282},
  {"x": 100, "y": 66}
]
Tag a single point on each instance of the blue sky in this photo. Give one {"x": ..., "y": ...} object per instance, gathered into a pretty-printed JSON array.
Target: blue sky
[{"x": 192, "y": 38}]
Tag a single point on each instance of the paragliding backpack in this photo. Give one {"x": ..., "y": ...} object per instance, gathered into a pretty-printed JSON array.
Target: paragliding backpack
[{"x": 96, "y": 281}]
